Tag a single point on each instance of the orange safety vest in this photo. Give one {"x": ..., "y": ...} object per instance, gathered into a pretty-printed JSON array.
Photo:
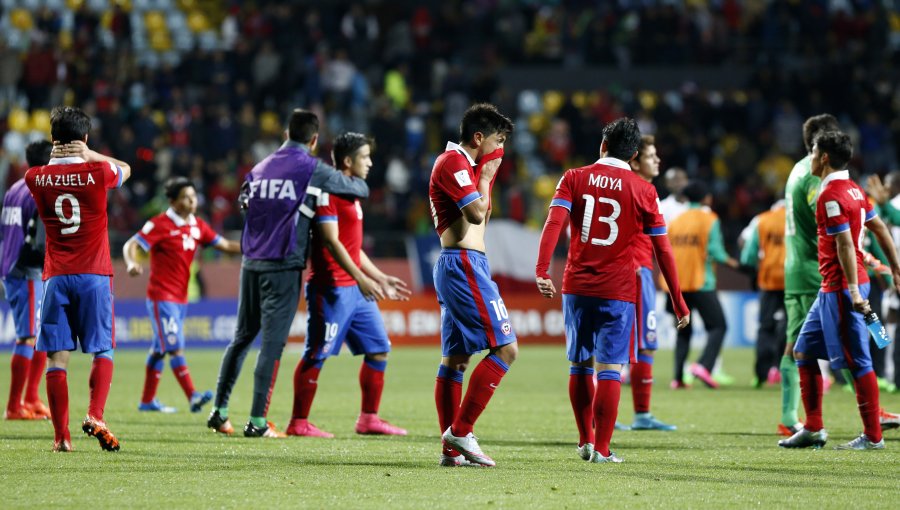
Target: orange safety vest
[
  {"x": 771, "y": 246},
  {"x": 689, "y": 235}
]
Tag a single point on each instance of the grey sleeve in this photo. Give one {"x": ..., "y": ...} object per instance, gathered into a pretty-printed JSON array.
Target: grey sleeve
[{"x": 331, "y": 181}]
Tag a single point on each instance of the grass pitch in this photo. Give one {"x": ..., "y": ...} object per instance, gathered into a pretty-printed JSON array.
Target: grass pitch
[{"x": 723, "y": 455}]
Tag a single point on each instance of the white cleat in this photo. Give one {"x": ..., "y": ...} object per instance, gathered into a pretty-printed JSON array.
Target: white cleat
[
  {"x": 586, "y": 451},
  {"x": 468, "y": 446},
  {"x": 458, "y": 461},
  {"x": 805, "y": 439},
  {"x": 600, "y": 459},
  {"x": 861, "y": 443}
]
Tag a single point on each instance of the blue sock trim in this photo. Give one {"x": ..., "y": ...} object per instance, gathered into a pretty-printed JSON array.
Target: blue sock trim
[
  {"x": 177, "y": 362},
  {"x": 499, "y": 362},
  {"x": 445, "y": 372},
  {"x": 379, "y": 366},
  {"x": 55, "y": 369},
  {"x": 805, "y": 362},
  {"x": 108, "y": 354},
  {"x": 155, "y": 362},
  {"x": 24, "y": 350},
  {"x": 609, "y": 375},
  {"x": 644, "y": 358},
  {"x": 573, "y": 370},
  {"x": 862, "y": 372}
]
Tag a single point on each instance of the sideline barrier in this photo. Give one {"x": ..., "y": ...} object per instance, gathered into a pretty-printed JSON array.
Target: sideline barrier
[{"x": 211, "y": 322}]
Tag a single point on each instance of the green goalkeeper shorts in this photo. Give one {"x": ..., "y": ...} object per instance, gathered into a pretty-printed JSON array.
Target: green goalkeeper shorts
[{"x": 797, "y": 307}]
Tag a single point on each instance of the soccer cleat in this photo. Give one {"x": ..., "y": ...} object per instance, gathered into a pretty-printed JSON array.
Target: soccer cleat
[
  {"x": 251, "y": 430},
  {"x": 679, "y": 385},
  {"x": 96, "y": 428},
  {"x": 458, "y": 461},
  {"x": 302, "y": 427},
  {"x": 220, "y": 424},
  {"x": 155, "y": 406},
  {"x": 805, "y": 439},
  {"x": 784, "y": 430},
  {"x": 468, "y": 446},
  {"x": 586, "y": 451},
  {"x": 600, "y": 459},
  {"x": 370, "y": 423},
  {"x": 723, "y": 379},
  {"x": 198, "y": 400},
  {"x": 700, "y": 372},
  {"x": 861, "y": 443},
  {"x": 62, "y": 446},
  {"x": 774, "y": 377},
  {"x": 888, "y": 420},
  {"x": 646, "y": 421},
  {"x": 19, "y": 414},
  {"x": 621, "y": 426},
  {"x": 38, "y": 409}
]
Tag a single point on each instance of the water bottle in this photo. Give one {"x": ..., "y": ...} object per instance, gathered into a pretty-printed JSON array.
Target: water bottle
[{"x": 876, "y": 329}]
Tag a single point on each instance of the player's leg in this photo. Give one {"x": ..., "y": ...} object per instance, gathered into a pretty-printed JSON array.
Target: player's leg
[
  {"x": 56, "y": 339},
  {"x": 58, "y": 398},
  {"x": 611, "y": 323},
  {"x": 19, "y": 293},
  {"x": 797, "y": 307},
  {"x": 279, "y": 295},
  {"x": 765, "y": 338},
  {"x": 32, "y": 400},
  {"x": 710, "y": 310},
  {"x": 248, "y": 325},
  {"x": 582, "y": 382},
  {"x": 647, "y": 343},
  {"x": 154, "y": 363},
  {"x": 682, "y": 343},
  {"x": 175, "y": 314},
  {"x": 811, "y": 346}
]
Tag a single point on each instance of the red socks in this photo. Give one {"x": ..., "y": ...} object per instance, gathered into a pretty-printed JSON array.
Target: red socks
[
  {"x": 642, "y": 383},
  {"x": 58, "y": 398},
  {"x": 606, "y": 408},
  {"x": 581, "y": 394},
  {"x": 371, "y": 382},
  {"x": 447, "y": 395},
  {"x": 99, "y": 383},
  {"x": 20, "y": 365},
  {"x": 35, "y": 374},
  {"x": 869, "y": 407},
  {"x": 306, "y": 382},
  {"x": 811, "y": 393},
  {"x": 151, "y": 378},
  {"x": 180, "y": 369},
  {"x": 485, "y": 379}
]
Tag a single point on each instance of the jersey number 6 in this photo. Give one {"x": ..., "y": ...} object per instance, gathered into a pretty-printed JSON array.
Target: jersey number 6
[{"x": 609, "y": 220}]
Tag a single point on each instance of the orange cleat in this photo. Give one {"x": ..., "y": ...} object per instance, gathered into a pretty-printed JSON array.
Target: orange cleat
[
  {"x": 38, "y": 409},
  {"x": 62, "y": 446},
  {"x": 220, "y": 424},
  {"x": 888, "y": 420},
  {"x": 97, "y": 428},
  {"x": 19, "y": 414},
  {"x": 784, "y": 430}
]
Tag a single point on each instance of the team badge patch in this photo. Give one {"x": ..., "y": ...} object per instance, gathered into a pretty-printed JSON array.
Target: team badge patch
[
  {"x": 832, "y": 209},
  {"x": 506, "y": 328},
  {"x": 462, "y": 178}
]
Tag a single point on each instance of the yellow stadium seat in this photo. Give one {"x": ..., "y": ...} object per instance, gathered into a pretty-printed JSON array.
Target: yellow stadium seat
[
  {"x": 197, "y": 22},
  {"x": 160, "y": 41},
  {"x": 21, "y": 19},
  {"x": 65, "y": 40},
  {"x": 579, "y": 99},
  {"x": 40, "y": 121},
  {"x": 537, "y": 123},
  {"x": 124, "y": 4},
  {"x": 648, "y": 99},
  {"x": 159, "y": 118},
  {"x": 268, "y": 123},
  {"x": 553, "y": 101},
  {"x": 154, "y": 21},
  {"x": 74, "y": 4},
  {"x": 18, "y": 120},
  {"x": 545, "y": 186},
  {"x": 106, "y": 19}
]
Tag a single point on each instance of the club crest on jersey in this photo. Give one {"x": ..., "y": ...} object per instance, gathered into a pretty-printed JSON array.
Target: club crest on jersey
[
  {"x": 195, "y": 232},
  {"x": 832, "y": 209},
  {"x": 462, "y": 178},
  {"x": 506, "y": 328}
]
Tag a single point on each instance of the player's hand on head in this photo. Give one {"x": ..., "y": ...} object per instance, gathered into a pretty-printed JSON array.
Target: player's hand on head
[
  {"x": 683, "y": 322},
  {"x": 545, "y": 287},
  {"x": 74, "y": 149},
  {"x": 876, "y": 189}
]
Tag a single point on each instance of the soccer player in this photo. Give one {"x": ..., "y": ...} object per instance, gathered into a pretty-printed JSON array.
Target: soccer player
[
  {"x": 834, "y": 328},
  {"x": 801, "y": 267},
  {"x": 21, "y": 263},
  {"x": 764, "y": 250},
  {"x": 274, "y": 243},
  {"x": 608, "y": 204},
  {"x": 473, "y": 316},
  {"x": 70, "y": 193},
  {"x": 646, "y": 166},
  {"x": 171, "y": 239},
  {"x": 341, "y": 289}
]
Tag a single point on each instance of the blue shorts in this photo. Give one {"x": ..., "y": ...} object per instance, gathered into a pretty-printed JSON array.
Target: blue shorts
[
  {"x": 602, "y": 328},
  {"x": 339, "y": 314},
  {"x": 835, "y": 332},
  {"x": 166, "y": 317},
  {"x": 24, "y": 296},
  {"x": 646, "y": 311},
  {"x": 473, "y": 316},
  {"x": 77, "y": 308}
]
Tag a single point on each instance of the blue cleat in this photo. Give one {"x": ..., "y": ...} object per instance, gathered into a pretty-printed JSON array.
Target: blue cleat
[
  {"x": 646, "y": 421},
  {"x": 198, "y": 400},
  {"x": 156, "y": 406},
  {"x": 622, "y": 426}
]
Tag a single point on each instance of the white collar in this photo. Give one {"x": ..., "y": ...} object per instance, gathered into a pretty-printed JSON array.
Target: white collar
[
  {"x": 840, "y": 175},
  {"x": 613, "y": 162},
  {"x": 178, "y": 220},
  {"x": 458, "y": 148},
  {"x": 66, "y": 161}
]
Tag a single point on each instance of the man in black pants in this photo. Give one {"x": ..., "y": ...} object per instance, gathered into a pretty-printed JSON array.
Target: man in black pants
[{"x": 275, "y": 246}]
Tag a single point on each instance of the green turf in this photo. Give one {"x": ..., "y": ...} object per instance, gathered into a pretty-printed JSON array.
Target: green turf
[{"x": 723, "y": 454}]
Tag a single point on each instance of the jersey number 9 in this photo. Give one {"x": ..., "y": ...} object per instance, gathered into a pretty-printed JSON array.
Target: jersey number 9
[{"x": 74, "y": 221}]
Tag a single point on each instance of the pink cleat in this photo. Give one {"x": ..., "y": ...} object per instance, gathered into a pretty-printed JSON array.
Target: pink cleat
[
  {"x": 679, "y": 385},
  {"x": 302, "y": 427},
  {"x": 370, "y": 423},
  {"x": 774, "y": 377},
  {"x": 700, "y": 372}
]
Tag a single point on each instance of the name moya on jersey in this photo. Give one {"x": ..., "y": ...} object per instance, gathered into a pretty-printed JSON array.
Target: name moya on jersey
[
  {"x": 63, "y": 180},
  {"x": 605, "y": 182},
  {"x": 273, "y": 188}
]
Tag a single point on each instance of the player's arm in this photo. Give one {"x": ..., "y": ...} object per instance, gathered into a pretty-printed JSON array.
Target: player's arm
[
  {"x": 476, "y": 211},
  {"x": 80, "y": 149},
  {"x": 750, "y": 252},
  {"x": 885, "y": 241},
  {"x": 393, "y": 287},
  {"x": 715, "y": 248},
  {"x": 130, "y": 254},
  {"x": 329, "y": 232},
  {"x": 662, "y": 249},
  {"x": 227, "y": 245},
  {"x": 557, "y": 220},
  {"x": 846, "y": 252},
  {"x": 331, "y": 181}
]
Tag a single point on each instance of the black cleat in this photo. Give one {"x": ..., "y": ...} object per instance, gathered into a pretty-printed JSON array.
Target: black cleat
[
  {"x": 219, "y": 424},
  {"x": 251, "y": 430}
]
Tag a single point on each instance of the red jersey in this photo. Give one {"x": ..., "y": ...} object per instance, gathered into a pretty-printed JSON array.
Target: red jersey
[
  {"x": 842, "y": 206},
  {"x": 347, "y": 213},
  {"x": 172, "y": 243},
  {"x": 451, "y": 187},
  {"x": 609, "y": 205},
  {"x": 71, "y": 199},
  {"x": 643, "y": 251}
]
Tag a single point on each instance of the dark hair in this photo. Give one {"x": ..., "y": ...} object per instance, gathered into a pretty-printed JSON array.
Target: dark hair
[
  {"x": 174, "y": 185},
  {"x": 347, "y": 144},
  {"x": 38, "y": 153},
  {"x": 303, "y": 126},
  {"x": 696, "y": 191},
  {"x": 485, "y": 119},
  {"x": 623, "y": 137},
  {"x": 646, "y": 141},
  {"x": 816, "y": 124},
  {"x": 837, "y": 145},
  {"x": 68, "y": 124}
]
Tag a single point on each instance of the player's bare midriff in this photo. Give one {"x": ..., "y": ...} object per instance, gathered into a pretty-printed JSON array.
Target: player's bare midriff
[{"x": 464, "y": 235}]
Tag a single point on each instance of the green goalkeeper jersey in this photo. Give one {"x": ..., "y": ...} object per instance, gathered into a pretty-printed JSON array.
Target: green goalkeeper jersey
[{"x": 801, "y": 263}]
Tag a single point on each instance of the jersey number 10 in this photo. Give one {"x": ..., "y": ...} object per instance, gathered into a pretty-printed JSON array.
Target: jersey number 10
[
  {"x": 609, "y": 220},
  {"x": 74, "y": 221}
]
